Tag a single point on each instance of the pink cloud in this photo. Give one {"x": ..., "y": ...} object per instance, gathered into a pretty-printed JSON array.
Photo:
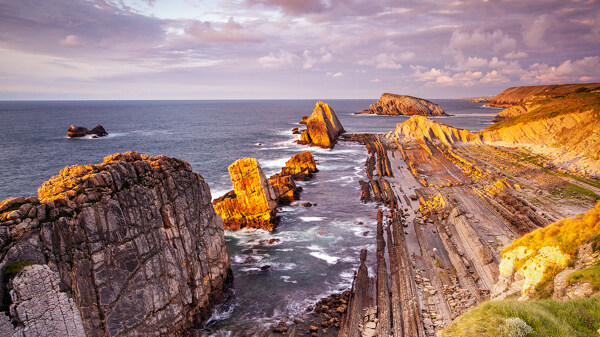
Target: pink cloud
[
  {"x": 70, "y": 41},
  {"x": 229, "y": 32}
]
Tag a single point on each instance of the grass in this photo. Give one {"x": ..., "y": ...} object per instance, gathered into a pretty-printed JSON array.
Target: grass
[
  {"x": 554, "y": 107},
  {"x": 568, "y": 234},
  {"x": 576, "y": 191},
  {"x": 589, "y": 274},
  {"x": 14, "y": 268},
  {"x": 579, "y": 317}
]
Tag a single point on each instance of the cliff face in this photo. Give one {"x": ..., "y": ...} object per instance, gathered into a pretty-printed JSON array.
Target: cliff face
[
  {"x": 322, "y": 127},
  {"x": 390, "y": 104},
  {"x": 134, "y": 241},
  {"x": 537, "y": 262},
  {"x": 252, "y": 201},
  {"x": 423, "y": 129},
  {"x": 518, "y": 95}
]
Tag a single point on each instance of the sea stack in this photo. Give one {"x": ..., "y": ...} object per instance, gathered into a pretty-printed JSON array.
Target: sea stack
[
  {"x": 131, "y": 246},
  {"x": 322, "y": 127},
  {"x": 252, "y": 202},
  {"x": 391, "y": 104}
]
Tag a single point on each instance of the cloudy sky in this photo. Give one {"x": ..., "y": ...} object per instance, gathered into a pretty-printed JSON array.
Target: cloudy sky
[{"x": 212, "y": 49}]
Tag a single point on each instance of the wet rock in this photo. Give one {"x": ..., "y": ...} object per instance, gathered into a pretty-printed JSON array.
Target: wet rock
[{"x": 307, "y": 204}]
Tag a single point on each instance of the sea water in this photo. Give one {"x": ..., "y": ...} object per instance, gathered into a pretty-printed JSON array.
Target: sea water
[{"x": 318, "y": 248}]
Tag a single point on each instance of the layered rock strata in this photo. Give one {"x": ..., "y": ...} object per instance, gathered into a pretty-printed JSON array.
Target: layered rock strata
[
  {"x": 391, "y": 104},
  {"x": 322, "y": 127},
  {"x": 134, "y": 241}
]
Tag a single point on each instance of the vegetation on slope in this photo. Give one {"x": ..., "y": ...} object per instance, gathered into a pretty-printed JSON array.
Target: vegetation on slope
[
  {"x": 517, "y": 95},
  {"x": 579, "y": 317},
  {"x": 549, "y": 108}
]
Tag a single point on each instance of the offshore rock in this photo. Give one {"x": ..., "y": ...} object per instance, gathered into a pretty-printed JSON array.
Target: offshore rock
[
  {"x": 301, "y": 166},
  {"x": 285, "y": 188},
  {"x": 322, "y": 127},
  {"x": 135, "y": 242},
  {"x": 252, "y": 202},
  {"x": 79, "y": 131},
  {"x": 391, "y": 104}
]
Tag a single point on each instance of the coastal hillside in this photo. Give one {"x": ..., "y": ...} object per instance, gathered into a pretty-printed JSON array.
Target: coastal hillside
[
  {"x": 559, "y": 267},
  {"x": 128, "y": 247},
  {"x": 518, "y": 95},
  {"x": 564, "y": 128},
  {"x": 391, "y": 104}
]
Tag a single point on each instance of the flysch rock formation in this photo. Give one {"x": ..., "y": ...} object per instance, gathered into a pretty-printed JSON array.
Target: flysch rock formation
[
  {"x": 391, "y": 104},
  {"x": 79, "y": 131},
  {"x": 518, "y": 95},
  {"x": 253, "y": 201},
  {"x": 322, "y": 127},
  {"x": 423, "y": 129},
  {"x": 133, "y": 242}
]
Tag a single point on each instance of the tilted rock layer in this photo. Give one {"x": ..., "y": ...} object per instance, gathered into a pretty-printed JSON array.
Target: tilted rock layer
[
  {"x": 423, "y": 129},
  {"x": 135, "y": 242},
  {"x": 252, "y": 202},
  {"x": 518, "y": 95},
  {"x": 301, "y": 166},
  {"x": 391, "y": 104},
  {"x": 322, "y": 127}
]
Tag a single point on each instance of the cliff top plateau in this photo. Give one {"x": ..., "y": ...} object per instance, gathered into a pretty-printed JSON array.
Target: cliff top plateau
[{"x": 517, "y": 95}]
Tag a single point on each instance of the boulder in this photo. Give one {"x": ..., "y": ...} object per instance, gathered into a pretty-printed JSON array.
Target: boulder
[
  {"x": 322, "y": 127},
  {"x": 134, "y": 243},
  {"x": 301, "y": 166},
  {"x": 252, "y": 202},
  {"x": 285, "y": 188},
  {"x": 391, "y": 104},
  {"x": 79, "y": 131}
]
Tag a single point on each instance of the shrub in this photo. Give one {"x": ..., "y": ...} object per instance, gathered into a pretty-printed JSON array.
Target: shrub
[{"x": 516, "y": 327}]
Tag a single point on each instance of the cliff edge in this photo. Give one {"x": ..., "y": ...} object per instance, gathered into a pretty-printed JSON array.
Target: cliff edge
[
  {"x": 392, "y": 104},
  {"x": 518, "y": 95},
  {"x": 131, "y": 246}
]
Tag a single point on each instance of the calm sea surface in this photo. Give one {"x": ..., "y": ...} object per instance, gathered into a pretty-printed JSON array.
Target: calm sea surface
[{"x": 319, "y": 246}]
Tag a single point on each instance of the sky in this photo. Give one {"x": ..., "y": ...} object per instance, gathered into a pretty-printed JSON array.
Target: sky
[{"x": 292, "y": 49}]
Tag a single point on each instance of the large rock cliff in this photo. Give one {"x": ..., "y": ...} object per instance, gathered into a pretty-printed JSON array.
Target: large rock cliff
[
  {"x": 128, "y": 247},
  {"x": 391, "y": 104},
  {"x": 518, "y": 95},
  {"x": 322, "y": 127},
  {"x": 252, "y": 202}
]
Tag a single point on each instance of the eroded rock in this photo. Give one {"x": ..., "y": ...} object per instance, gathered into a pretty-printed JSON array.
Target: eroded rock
[
  {"x": 391, "y": 104},
  {"x": 322, "y": 127}
]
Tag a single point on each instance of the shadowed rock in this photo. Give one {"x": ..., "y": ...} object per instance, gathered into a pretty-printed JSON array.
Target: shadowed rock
[{"x": 79, "y": 131}]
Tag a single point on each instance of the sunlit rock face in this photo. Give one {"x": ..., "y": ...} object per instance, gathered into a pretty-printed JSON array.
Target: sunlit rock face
[
  {"x": 252, "y": 201},
  {"x": 419, "y": 128},
  {"x": 322, "y": 127},
  {"x": 134, "y": 241},
  {"x": 391, "y": 104}
]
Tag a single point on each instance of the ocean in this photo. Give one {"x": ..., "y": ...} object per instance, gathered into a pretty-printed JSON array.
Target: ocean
[{"x": 318, "y": 247}]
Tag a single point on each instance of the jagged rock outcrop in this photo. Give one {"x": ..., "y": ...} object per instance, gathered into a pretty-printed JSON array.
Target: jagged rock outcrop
[
  {"x": 391, "y": 104},
  {"x": 285, "y": 188},
  {"x": 322, "y": 127},
  {"x": 301, "y": 166},
  {"x": 135, "y": 241},
  {"x": 518, "y": 95},
  {"x": 252, "y": 202},
  {"x": 423, "y": 129},
  {"x": 531, "y": 263},
  {"x": 79, "y": 131}
]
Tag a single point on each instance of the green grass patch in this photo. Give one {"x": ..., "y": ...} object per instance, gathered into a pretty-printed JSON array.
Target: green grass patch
[
  {"x": 576, "y": 191},
  {"x": 554, "y": 107},
  {"x": 589, "y": 274},
  {"x": 14, "y": 268},
  {"x": 576, "y": 318}
]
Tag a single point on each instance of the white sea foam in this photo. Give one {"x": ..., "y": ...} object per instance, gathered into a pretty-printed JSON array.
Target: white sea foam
[
  {"x": 287, "y": 279},
  {"x": 311, "y": 218},
  {"x": 326, "y": 257}
]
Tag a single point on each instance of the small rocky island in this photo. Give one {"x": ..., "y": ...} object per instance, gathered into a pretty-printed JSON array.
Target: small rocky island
[
  {"x": 392, "y": 104},
  {"x": 80, "y": 131},
  {"x": 322, "y": 127},
  {"x": 253, "y": 201}
]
